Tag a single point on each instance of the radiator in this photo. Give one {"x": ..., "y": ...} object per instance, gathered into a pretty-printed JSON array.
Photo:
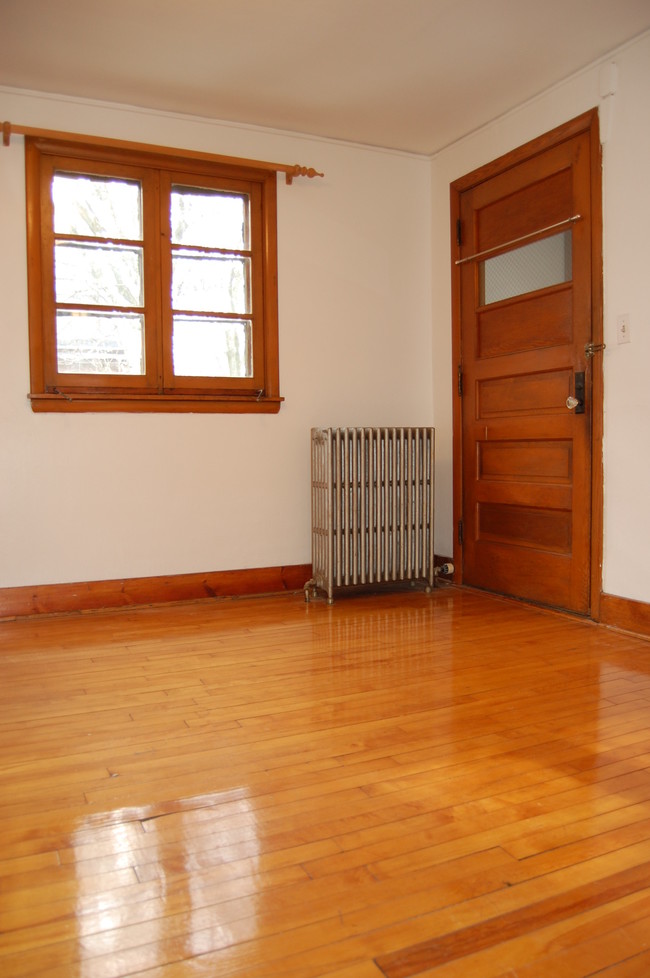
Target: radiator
[{"x": 372, "y": 499}]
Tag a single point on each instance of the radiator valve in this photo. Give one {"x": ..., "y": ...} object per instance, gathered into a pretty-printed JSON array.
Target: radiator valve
[{"x": 444, "y": 569}]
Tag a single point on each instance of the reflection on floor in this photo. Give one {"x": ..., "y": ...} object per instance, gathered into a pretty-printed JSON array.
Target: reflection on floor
[{"x": 402, "y": 785}]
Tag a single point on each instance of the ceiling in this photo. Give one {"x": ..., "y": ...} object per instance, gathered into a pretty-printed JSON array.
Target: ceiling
[{"x": 411, "y": 75}]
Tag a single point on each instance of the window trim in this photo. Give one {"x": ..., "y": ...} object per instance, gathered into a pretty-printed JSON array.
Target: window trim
[{"x": 259, "y": 394}]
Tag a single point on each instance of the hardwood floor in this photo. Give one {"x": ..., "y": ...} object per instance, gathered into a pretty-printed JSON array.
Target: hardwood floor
[{"x": 396, "y": 786}]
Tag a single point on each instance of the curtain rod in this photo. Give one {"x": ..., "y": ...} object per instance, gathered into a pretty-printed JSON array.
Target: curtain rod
[
  {"x": 514, "y": 241},
  {"x": 290, "y": 170}
]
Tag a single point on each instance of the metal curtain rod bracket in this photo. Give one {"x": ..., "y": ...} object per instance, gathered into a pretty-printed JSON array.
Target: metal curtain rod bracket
[
  {"x": 524, "y": 237},
  {"x": 290, "y": 170}
]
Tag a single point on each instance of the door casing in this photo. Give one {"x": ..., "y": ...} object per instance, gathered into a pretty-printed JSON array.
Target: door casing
[{"x": 587, "y": 122}]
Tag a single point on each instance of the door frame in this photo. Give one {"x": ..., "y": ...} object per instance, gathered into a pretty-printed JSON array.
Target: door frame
[{"x": 587, "y": 122}]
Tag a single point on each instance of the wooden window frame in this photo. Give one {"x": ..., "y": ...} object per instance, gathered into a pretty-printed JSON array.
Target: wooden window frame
[{"x": 152, "y": 392}]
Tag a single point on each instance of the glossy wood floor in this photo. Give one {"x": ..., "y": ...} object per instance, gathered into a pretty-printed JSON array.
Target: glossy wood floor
[{"x": 394, "y": 786}]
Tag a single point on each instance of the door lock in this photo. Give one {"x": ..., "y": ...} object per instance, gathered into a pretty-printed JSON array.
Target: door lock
[{"x": 577, "y": 403}]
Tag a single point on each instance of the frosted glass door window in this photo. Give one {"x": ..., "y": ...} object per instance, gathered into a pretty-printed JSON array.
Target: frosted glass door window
[{"x": 534, "y": 266}]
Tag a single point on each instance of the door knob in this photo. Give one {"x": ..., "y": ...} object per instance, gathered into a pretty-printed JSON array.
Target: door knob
[{"x": 572, "y": 402}]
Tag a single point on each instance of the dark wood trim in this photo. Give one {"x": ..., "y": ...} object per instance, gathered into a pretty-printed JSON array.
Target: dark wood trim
[
  {"x": 596, "y": 367},
  {"x": 18, "y": 602},
  {"x": 567, "y": 130},
  {"x": 456, "y": 381},
  {"x": 55, "y": 599},
  {"x": 154, "y": 403},
  {"x": 624, "y": 613}
]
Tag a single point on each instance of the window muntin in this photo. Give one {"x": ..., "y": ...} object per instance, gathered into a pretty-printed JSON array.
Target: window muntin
[{"x": 155, "y": 281}]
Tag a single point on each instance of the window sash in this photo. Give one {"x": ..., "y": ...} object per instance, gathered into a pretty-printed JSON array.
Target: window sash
[
  {"x": 189, "y": 384},
  {"x": 53, "y": 379}
]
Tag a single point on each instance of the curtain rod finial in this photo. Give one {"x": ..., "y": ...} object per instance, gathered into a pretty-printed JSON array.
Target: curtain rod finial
[{"x": 301, "y": 171}]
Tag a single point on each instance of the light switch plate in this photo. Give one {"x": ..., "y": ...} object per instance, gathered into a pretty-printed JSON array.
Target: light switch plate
[{"x": 623, "y": 328}]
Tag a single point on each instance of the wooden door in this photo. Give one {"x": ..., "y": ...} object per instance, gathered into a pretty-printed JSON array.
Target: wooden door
[{"x": 524, "y": 307}]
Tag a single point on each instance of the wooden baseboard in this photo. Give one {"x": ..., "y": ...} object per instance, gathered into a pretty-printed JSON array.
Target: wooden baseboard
[
  {"x": 631, "y": 616},
  {"x": 54, "y": 599},
  {"x": 18, "y": 602}
]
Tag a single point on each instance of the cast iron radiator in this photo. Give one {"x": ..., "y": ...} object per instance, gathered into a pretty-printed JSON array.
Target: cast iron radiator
[{"x": 372, "y": 504}]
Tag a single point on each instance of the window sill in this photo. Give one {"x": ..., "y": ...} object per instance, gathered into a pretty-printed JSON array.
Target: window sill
[{"x": 157, "y": 403}]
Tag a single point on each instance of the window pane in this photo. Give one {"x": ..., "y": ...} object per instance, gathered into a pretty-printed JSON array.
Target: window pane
[
  {"x": 211, "y": 347},
  {"x": 100, "y": 343},
  {"x": 210, "y": 283},
  {"x": 209, "y": 219},
  {"x": 97, "y": 206},
  {"x": 534, "y": 266},
  {"x": 105, "y": 275}
]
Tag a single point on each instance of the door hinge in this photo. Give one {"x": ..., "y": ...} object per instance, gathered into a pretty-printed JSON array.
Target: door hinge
[
  {"x": 459, "y": 233},
  {"x": 460, "y": 532},
  {"x": 460, "y": 380}
]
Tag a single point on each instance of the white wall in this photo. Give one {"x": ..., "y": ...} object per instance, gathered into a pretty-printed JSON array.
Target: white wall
[
  {"x": 364, "y": 312},
  {"x": 96, "y": 497},
  {"x": 625, "y": 122}
]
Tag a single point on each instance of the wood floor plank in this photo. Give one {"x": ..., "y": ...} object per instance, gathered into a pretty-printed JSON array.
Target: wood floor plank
[
  {"x": 637, "y": 966},
  {"x": 428, "y": 955},
  {"x": 267, "y": 789}
]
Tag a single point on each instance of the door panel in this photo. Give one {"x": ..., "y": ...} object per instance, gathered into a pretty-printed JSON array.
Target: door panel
[
  {"x": 527, "y": 526},
  {"x": 530, "y": 323},
  {"x": 525, "y": 461},
  {"x": 524, "y": 318},
  {"x": 523, "y": 393},
  {"x": 541, "y": 201}
]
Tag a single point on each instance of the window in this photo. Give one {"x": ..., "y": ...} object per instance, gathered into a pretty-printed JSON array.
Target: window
[
  {"x": 530, "y": 267},
  {"x": 152, "y": 281}
]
